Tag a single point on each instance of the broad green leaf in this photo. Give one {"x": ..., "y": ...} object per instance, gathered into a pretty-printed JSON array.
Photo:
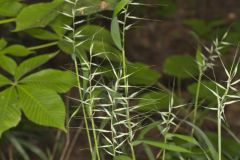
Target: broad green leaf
[
  {"x": 198, "y": 25},
  {"x": 154, "y": 101},
  {"x": 37, "y": 15},
  {"x": 204, "y": 92},
  {"x": 17, "y": 50},
  {"x": 32, "y": 63},
  {"x": 170, "y": 147},
  {"x": 10, "y": 113},
  {"x": 116, "y": 33},
  {"x": 120, "y": 6},
  {"x": 181, "y": 66},
  {"x": 42, "y": 106},
  {"x": 138, "y": 72},
  {"x": 122, "y": 158},
  {"x": 57, "y": 80},
  {"x": 58, "y": 23},
  {"x": 42, "y": 34},
  {"x": 3, "y": 43},
  {"x": 8, "y": 64},
  {"x": 94, "y": 33},
  {"x": 4, "y": 81},
  {"x": 10, "y": 8},
  {"x": 105, "y": 49}
]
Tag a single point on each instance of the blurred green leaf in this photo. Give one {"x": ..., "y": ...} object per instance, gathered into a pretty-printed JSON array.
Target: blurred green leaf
[
  {"x": 204, "y": 92},
  {"x": 189, "y": 139},
  {"x": 161, "y": 145},
  {"x": 181, "y": 66},
  {"x": 58, "y": 23},
  {"x": 119, "y": 7},
  {"x": 154, "y": 101},
  {"x": 3, "y": 43},
  {"x": 4, "y": 80},
  {"x": 37, "y": 15},
  {"x": 42, "y": 34},
  {"x": 141, "y": 74},
  {"x": 10, "y": 8},
  {"x": 116, "y": 33},
  {"x": 17, "y": 50}
]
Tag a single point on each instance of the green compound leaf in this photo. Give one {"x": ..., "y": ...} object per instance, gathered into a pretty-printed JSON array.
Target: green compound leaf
[
  {"x": 181, "y": 66},
  {"x": 4, "y": 81},
  {"x": 57, "y": 80},
  {"x": 37, "y": 15},
  {"x": 17, "y": 50},
  {"x": 42, "y": 34},
  {"x": 8, "y": 64},
  {"x": 10, "y": 113},
  {"x": 32, "y": 63},
  {"x": 42, "y": 106}
]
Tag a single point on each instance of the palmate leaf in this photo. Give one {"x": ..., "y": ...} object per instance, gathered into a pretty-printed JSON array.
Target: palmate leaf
[
  {"x": 4, "y": 81},
  {"x": 42, "y": 106},
  {"x": 8, "y": 64},
  {"x": 32, "y": 63},
  {"x": 10, "y": 113},
  {"x": 37, "y": 15},
  {"x": 59, "y": 81}
]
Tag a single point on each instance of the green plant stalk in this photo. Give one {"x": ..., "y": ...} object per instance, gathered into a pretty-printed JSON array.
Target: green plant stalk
[
  {"x": 219, "y": 117},
  {"x": 83, "y": 107},
  {"x": 197, "y": 98},
  {"x": 124, "y": 63},
  {"x": 4, "y": 21},
  {"x": 43, "y": 46},
  {"x": 91, "y": 106},
  {"x": 219, "y": 134},
  {"x": 78, "y": 75}
]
